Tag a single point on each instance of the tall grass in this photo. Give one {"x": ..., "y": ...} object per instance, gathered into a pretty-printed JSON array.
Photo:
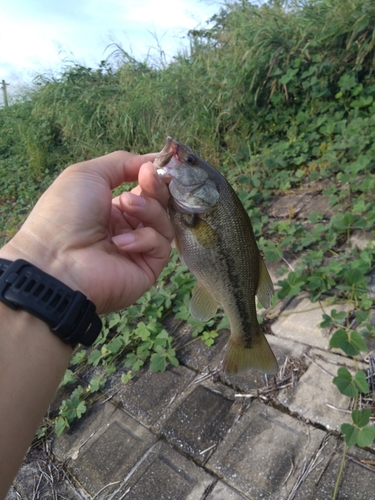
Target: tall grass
[{"x": 239, "y": 88}]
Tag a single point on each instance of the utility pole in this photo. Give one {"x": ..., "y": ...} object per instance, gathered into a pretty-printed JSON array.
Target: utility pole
[{"x": 4, "y": 89}]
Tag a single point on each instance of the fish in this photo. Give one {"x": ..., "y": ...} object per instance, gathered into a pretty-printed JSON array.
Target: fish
[{"x": 215, "y": 238}]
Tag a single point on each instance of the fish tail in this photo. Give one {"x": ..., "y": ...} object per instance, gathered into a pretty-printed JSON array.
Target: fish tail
[{"x": 259, "y": 356}]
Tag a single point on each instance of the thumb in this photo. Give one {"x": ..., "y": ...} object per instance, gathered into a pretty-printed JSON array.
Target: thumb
[{"x": 115, "y": 168}]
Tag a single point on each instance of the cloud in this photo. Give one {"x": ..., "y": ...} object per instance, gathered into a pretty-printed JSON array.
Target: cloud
[{"x": 39, "y": 34}]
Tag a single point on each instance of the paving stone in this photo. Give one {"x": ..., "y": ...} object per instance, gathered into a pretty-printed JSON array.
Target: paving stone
[
  {"x": 263, "y": 453},
  {"x": 319, "y": 204},
  {"x": 315, "y": 391},
  {"x": 289, "y": 206},
  {"x": 360, "y": 239},
  {"x": 319, "y": 478},
  {"x": 148, "y": 394},
  {"x": 165, "y": 474},
  {"x": 198, "y": 356},
  {"x": 285, "y": 348},
  {"x": 12, "y": 495},
  {"x": 68, "y": 445},
  {"x": 222, "y": 491},
  {"x": 205, "y": 359},
  {"x": 250, "y": 380},
  {"x": 277, "y": 272},
  {"x": 35, "y": 481},
  {"x": 299, "y": 322},
  {"x": 104, "y": 448},
  {"x": 198, "y": 421}
]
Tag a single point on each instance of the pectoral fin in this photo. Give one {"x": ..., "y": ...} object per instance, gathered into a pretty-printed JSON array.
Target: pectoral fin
[
  {"x": 202, "y": 305},
  {"x": 176, "y": 244},
  {"x": 265, "y": 285},
  {"x": 202, "y": 232}
]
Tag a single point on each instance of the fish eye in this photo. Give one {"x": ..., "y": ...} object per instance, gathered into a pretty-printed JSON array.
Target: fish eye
[{"x": 191, "y": 159}]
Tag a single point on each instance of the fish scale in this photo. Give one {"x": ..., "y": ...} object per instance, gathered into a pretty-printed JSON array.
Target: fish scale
[
  {"x": 214, "y": 237},
  {"x": 229, "y": 278}
]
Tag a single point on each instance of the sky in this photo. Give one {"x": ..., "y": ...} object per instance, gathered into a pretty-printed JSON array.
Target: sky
[{"x": 40, "y": 36}]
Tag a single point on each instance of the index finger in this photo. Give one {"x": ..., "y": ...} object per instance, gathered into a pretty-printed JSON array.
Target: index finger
[{"x": 118, "y": 167}]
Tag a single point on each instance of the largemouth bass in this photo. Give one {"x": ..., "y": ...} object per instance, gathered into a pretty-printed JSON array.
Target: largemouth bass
[{"x": 215, "y": 238}]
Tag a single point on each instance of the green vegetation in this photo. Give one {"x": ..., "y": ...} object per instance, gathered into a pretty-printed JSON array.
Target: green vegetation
[{"x": 279, "y": 97}]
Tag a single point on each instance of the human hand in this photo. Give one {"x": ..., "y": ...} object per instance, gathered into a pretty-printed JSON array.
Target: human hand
[{"x": 112, "y": 250}]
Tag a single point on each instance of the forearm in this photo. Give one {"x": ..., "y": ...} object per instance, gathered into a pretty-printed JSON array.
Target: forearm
[
  {"x": 32, "y": 362},
  {"x": 77, "y": 234}
]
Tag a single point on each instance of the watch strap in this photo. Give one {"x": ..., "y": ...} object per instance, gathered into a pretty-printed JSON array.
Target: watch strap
[{"x": 68, "y": 313}]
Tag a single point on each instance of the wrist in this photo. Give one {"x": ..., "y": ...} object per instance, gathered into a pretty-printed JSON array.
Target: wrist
[
  {"x": 68, "y": 313},
  {"x": 24, "y": 328},
  {"x": 26, "y": 247}
]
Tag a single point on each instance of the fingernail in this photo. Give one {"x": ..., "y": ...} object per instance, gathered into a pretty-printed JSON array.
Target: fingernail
[
  {"x": 133, "y": 199},
  {"x": 121, "y": 240}
]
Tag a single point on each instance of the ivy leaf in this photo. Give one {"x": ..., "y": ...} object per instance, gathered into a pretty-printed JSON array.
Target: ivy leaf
[
  {"x": 69, "y": 378},
  {"x": 162, "y": 340},
  {"x": 158, "y": 363},
  {"x": 272, "y": 252},
  {"x": 78, "y": 358},
  {"x": 362, "y": 102},
  {"x": 361, "y": 382},
  {"x": 335, "y": 317},
  {"x": 326, "y": 323},
  {"x": 338, "y": 337},
  {"x": 114, "y": 319},
  {"x": 360, "y": 433},
  {"x": 138, "y": 365},
  {"x": 224, "y": 323},
  {"x": 81, "y": 409},
  {"x": 182, "y": 312},
  {"x": 125, "y": 377},
  {"x": 171, "y": 354},
  {"x": 354, "y": 277},
  {"x": 343, "y": 222},
  {"x": 351, "y": 343},
  {"x": 361, "y": 417},
  {"x": 292, "y": 285},
  {"x": 366, "y": 436},
  {"x": 163, "y": 335},
  {"x": 115, "y": 345},
  {"x": 344, "y": 382},
  {"x": 288, "y": 76},
  {"x": 95, "y": 357},
  {"x": 61, "y": 425},
  {"x": 142, "y": 331},
  {"x": 131, "y": 359},
  {"x": 350, "y": 434},
  {"x": 357, "y": 341},
  {"x": 95, "y": 383}
]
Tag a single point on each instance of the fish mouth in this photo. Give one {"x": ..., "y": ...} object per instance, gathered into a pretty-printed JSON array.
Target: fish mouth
[
  {"x": 166, "y": 153},
  {"x": 165, "y": 159},
  {"x": 170, "y": 150}
]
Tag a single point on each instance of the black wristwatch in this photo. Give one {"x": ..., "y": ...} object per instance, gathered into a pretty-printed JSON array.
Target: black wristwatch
[{"x": 68, "y": 313}]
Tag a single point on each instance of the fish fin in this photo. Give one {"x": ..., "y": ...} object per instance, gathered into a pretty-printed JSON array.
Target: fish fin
[
  {"x": 176, "y": 244},
  {"x": 265, "y": 285},
  {"x": 259, "y": 356},
  {"x": 202, "y": 305},
  {"x": 202, "y": 232}
]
